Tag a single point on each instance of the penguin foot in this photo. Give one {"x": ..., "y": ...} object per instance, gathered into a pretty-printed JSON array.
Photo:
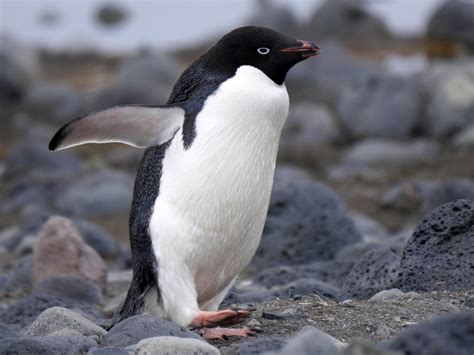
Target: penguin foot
[
  {"x": 224, "y": 333},
  {"x": 206, "y": 319}
]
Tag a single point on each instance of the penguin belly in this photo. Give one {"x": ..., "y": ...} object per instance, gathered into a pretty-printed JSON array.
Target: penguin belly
[{"x": 209, "y": 215}]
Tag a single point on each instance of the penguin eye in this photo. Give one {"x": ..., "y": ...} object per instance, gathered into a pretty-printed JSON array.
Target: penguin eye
[{"x": 263, "y": 50}]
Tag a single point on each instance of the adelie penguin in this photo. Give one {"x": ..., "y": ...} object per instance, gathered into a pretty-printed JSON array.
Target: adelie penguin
[{"x": 203, "y": 185}]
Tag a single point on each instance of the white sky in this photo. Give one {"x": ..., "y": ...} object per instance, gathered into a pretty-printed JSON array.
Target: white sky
[{"x": 168, "y": 23}]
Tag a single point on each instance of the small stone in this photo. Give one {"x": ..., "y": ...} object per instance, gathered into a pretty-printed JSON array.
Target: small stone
[
  {"x": 360, "y": 346},
  {"x": 309, "y": 341},
  {"x": 393, "y": 295},
  {"x": 56, "y": 318},
  {"x": 253, "y": 323},
  {"x": 469, "y": 302},
  {"x": 282, "y": 315},
  {"x": 163, "y": 345}
]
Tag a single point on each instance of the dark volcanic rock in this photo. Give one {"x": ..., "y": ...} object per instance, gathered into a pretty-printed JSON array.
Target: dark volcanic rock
[
  {"x": 439, "y": 255},
  {"x": 452, "y": 334},
  {"x": 132, "y": 330},
  {"x": 47, "y": 345},
  {"x": 306, "y": 222},
  {"x": 7, "y": 332},
  {"x": 377, "y": 270},
  {"x": 258, "y": 346},
  {"x": 17, "y": 281},
  {"x": 25, "y": 311}
]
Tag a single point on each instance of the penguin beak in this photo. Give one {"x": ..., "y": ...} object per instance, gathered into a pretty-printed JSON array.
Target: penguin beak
[{"x": 307, "y": 49}]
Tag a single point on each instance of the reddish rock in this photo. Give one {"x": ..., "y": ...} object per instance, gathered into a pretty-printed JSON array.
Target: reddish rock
[{"x": 61, "y": 251}]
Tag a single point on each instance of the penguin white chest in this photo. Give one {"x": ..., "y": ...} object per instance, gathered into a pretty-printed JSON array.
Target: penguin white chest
[{"x": 213, "y": 199}]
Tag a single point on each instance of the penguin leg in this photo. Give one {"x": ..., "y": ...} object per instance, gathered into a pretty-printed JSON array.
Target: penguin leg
[
  {"x": 222, "y": 333},
  {"x": 209, "y": 319}
]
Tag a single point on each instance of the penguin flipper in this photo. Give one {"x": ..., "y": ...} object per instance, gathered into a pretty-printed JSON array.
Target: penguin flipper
[{"x": 138, "y": 126}]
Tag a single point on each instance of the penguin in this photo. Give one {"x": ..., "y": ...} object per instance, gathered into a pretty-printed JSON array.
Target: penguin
[{"x": 203, "y": 186}]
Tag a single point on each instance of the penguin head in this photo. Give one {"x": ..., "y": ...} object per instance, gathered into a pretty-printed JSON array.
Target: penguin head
[{"x": 265, "y": 49}]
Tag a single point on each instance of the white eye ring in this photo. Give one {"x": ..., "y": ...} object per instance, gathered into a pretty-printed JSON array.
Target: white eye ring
[{"x": 263, "y": 50}]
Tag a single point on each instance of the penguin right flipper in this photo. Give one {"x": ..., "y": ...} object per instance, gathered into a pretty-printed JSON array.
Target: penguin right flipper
[{"x": 139, "y": 126}]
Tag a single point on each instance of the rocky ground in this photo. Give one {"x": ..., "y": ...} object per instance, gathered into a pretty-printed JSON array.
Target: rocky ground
[{"x": 368, "y": 245}]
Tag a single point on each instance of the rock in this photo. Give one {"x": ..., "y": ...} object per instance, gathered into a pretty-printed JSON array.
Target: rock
[
  {"x": 17, "y": 281},
  {"x": 309, "y": 127},
  {"x": 260, "y": 345},
  {"x": 381, "y": 105},
  {"x": 101, "y": 194},
  {"x": 118, "y": 282},
  {"x": 360, "y": 346},
  {"x": 58, "y": 103},
  {"x": 354, "y": 252},
  {"x": 311, "y": 340},
  {"x": 74, "y": 288},
  {"x": 371, "y": 230},
  {"x": 393, "y": 295},
  {"x": 287, "y": 314},
  {"x": 346, "y": 20},
  {"x": 100, "y": 240},
  {"x": 110, "y": 15},
  {"x": 133, "y": 329},
  {"x": 388, "y": 152},
  {"x": 465, "y": 138},
  {"x": 441, "y": 242},
  {"x": 306, "y": 222},
  {"x": 56, "y": 318},
  {"x": 60, "y": 251},
  {"x": 451, "y": 334},
  {"x": 19, "y": 66},
  {"x": 47, "y": 345},
  {"x": 25, "y": 158},
  {"x": 450, "y": 88},
  {"x": 453, "y": 21},
  {"x": 377, "y": 270},
  {"x": 65, "y": 332},
  {"x": 114, "y": 303},
  {"x": 330, "y": 272},
  {"x": 7, "y": 332},
  {"x": 405, "y": 65},
  {"x": 25, "y": 311},
  {"x": 172, "y": 345},
  {"x": 276, "y": 16},
  {"x": 326, "y": 77},
  {"x": 108, "y": 350}
]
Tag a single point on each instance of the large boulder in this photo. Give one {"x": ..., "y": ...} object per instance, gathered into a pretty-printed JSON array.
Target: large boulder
[
  {"x": 163, "y": 345},
  {"x": 438, "y": 256},
  {"x": 60, "y": 251},
  {"x": 47, "y": 345},
  {"x": 452, "y": 334},
  {"x": 307, "y": 221},
  {"x": 381, "y": 106}
]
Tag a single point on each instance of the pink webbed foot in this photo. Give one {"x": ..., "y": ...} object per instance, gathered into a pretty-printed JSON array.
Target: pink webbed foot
[
  {"x": 209, "y": 319},
  {"x": 223, "y": 333}
]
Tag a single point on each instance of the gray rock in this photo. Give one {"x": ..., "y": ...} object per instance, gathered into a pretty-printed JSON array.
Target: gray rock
[
  {"x": 377, "y": 270},
  {"x": 306, "y": 222},
  {"x": 311, "y": 340},
  {"x": 276, "y": 16},
  {"x": 70, "y": 287},
  {"x": 465, "y": 138},
  {"x": 172, "y": 345},
  {"x": 7, "y": 332},
  {"x": 309, "y": 126},
  {"x": 19, "y": 66},
  {"x": 108, "y": 350},
  {"x": 371, "y": 230},
  {"x": 360, "y": 346},
  {"x": 56, "y": 318},
  {"x": 451, "y": 334},
  {"x": 100, "y": 240},
  {"x": 257, "y": 346},
  {"x": 25, "y": 311},
  {"x": 65, "y": 332},
  {"x": 132, "y": 330},
  {"x": 118, "y": 282},
  {"x": 393, "y": 295},
  {"x": 453, "y": 20},
  {"x": 450, "y": 88},
  {"x": 346, "y": 20},
  {"x": 18, "y": 279},
  {"x": 388, "y": 152},
  {"x": 110, "y": 15},
  {"x": 101, "y": 194},
  {"x": 47, "y": 345},
  {"x": 381, "y": 105},
  {"x": 441, "y": 242},
  {"x": 56, "y": 102}
]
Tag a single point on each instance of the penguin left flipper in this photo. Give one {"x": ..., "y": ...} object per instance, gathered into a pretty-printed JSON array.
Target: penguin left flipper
[{"x": 138, "y": 126}]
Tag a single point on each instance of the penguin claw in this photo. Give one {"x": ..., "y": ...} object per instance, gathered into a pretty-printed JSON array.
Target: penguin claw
[
  {"x": 206, "y": 319},
  {"x": 225, "y": 333}
]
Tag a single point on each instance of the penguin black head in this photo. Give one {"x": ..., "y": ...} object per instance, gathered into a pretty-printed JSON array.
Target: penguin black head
[{"x": 263, "y": 48}]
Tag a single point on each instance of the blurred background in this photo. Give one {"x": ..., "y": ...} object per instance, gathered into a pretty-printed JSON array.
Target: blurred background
[{"x": 385, "y": 115}]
